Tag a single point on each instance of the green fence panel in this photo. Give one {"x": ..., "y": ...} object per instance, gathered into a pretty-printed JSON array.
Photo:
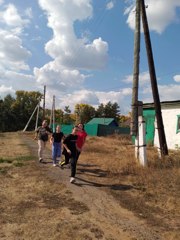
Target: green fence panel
[
  {"x": 107, "y": 130},
  {"x": 94, "y": 129}
]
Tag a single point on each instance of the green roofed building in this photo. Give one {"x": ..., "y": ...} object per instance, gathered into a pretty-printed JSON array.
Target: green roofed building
[{"x": 104, "y": 121}]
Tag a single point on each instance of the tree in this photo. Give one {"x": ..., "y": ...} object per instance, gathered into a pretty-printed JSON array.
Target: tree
[
  {"x": 109, "y": 110},
  {"x": 8, "y": 117},
  {"x": 84, "y": 113},
  {"x": 59, "y": 114},
  {"x": 24, "y": 106},
  {"x": 67, "y": 118}
]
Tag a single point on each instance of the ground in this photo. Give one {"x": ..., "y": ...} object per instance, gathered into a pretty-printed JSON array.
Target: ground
[{"x": 38, "y": 202}]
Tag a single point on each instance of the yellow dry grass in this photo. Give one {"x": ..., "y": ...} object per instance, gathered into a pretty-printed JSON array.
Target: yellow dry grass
[{"x": 151, "y": 192}]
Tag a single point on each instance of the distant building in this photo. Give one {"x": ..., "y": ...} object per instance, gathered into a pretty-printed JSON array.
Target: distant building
[
  {"x": 104, "y": 127},
  {"x": 171, "y": 119},
  {"x": 111, "y": 122}
]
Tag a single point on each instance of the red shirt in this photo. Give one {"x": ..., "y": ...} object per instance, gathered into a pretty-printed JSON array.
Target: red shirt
[{"x": 81, "y": 139}]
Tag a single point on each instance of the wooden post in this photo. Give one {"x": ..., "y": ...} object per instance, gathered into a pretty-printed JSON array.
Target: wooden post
[
  {"x": 134, "y": 117},
  {"x": 157, "y": 105},
  {"x": 44, "y": 98}
]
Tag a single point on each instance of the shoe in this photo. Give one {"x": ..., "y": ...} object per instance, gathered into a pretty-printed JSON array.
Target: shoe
[
  {"x": 62, "y": 163},
  {"x": 72, "y": 180},
  {"x": 54, "y": 165},
  {"x": 40, "y": 160}
]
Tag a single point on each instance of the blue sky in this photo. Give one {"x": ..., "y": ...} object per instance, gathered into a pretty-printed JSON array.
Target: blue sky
[{"x": 82, "y": 50}]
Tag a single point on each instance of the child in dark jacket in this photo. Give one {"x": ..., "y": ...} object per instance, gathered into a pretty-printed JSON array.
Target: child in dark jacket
[{"x": 70, "y": 152}]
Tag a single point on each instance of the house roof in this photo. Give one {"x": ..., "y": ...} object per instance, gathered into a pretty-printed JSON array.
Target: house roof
[
  {"x": 105, "y": 121},
  {"x": 163, "y": 104}
]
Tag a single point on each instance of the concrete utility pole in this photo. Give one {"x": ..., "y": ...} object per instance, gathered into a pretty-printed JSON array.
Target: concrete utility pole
[
  {"x": 157, "y": 104},
  {"x": 44, "y": 98},
  {"x": 134, "y": 118}
]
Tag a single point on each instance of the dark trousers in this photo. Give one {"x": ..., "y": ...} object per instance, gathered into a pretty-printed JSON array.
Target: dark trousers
[
  {"x": 73, "y": 158},
  {"x": 73, "y": 165},
  {"x": 78, "y": 153}
]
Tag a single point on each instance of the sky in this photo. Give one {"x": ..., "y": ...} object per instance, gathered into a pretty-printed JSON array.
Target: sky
[{"x": 83, "y": 50}]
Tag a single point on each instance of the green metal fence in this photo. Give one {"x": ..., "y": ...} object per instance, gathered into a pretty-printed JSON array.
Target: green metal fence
[{"x": 95, "y": 129}]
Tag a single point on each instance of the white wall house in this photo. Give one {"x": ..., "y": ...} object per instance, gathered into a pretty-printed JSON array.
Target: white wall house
[{"x": 171, "y": 119}]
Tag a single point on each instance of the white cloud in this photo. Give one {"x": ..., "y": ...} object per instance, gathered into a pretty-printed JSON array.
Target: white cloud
[
  {"x": 55, "y": 76},
  {"x": 169, "y": 92},
  {"x": 65, "y": 46},
  {"x": 144, "y": 78},
  {"x": 95, "y": 98},
  {"x": 12, "y": 18},
  {"x": 12, "y": 53},
  {"x": 176, "y": 78},
  {"x": 160, "y": 14},
  {"x": 4, "y": 91}
]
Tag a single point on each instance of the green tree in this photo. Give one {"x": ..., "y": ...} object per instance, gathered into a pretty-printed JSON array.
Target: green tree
[
  {"x": 8, "y": 117},
  {"x": 59, "y": 114},
  {"x": 67, "y": 116},
  {"x": 23, "y": 107},
  {"x": 109, "y": 110},
  {"x": 84, "y": 113}
]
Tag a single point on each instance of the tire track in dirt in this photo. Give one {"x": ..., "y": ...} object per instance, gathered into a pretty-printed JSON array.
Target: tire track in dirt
[{"x": 105, "y": 212}]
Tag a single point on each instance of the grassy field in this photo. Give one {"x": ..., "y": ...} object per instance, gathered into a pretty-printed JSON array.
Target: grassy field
[{"x": 151, "y": 193}]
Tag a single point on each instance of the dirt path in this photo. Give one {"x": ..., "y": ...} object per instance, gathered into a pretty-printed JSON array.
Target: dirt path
[{"x": 111, "y": 220}]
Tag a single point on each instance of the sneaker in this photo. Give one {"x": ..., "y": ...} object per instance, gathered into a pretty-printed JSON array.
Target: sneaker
[
  {"x": 62, "y": 163},
  {"x": 54, "y": 165},
  {"x": 72, "y": 180},
  {"x": 40, "y": 160}
]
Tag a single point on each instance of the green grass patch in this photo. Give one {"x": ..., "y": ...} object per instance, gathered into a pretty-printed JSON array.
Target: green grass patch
[
  {"x": 3, "y": 171},
  {"x": 24, "y": 158},
  {"x": 18, "y": 164},
  {"x": 5, "y": 160}
]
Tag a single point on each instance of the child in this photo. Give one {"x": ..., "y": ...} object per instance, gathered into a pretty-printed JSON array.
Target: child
[
  {"x": 81, "y": 139},
  {"x": 70, "y": 152},
  {"x": 56, "y": 140},
  {"x": 42, "y": 133}
]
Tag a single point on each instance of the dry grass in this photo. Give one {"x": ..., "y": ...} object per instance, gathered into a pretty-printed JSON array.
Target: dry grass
[{"x": 152, "y": 192}]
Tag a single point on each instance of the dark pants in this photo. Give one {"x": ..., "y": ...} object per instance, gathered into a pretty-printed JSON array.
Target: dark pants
[
  {"x": 73, "y": 158},
  {"x": 78, "y": 153},
  {"x": 73, "y": 165}
]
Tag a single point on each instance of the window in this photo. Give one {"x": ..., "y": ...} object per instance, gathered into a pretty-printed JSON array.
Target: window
[{"x": 178, "y": 124}]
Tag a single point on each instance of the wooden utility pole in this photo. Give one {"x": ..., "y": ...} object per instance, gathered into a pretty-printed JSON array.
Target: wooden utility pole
[
  {"x": 52, "y": 118},
  {"x": 44, "y": 98},
  {"x": 134, "y": 118},
  {"x": 157, "y": 104}
]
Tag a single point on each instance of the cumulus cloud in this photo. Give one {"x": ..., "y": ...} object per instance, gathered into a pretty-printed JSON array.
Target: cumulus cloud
[
  {"x": 55, "y": 76},
  {"x": 12, "y": 54},
  {"x": 144, "y": 78},
  {"x": 95, "y": 98},
  {"x": 176, "y": 78},
  {"x": 12, "y": 18},
  {"x": 4, "y": 91},
  {"x": 65, "y": 46},
  {"x": 159, "y": 14}
]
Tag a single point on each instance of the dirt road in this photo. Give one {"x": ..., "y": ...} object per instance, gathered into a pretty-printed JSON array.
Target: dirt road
[{"x": 101, "y": 216}]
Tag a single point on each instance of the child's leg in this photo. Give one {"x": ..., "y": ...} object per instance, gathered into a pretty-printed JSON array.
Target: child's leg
[{"x": 73, "y": 166}]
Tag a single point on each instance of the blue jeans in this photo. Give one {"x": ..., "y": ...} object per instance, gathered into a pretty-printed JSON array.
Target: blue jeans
[{"x": 56, "y": 151}]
